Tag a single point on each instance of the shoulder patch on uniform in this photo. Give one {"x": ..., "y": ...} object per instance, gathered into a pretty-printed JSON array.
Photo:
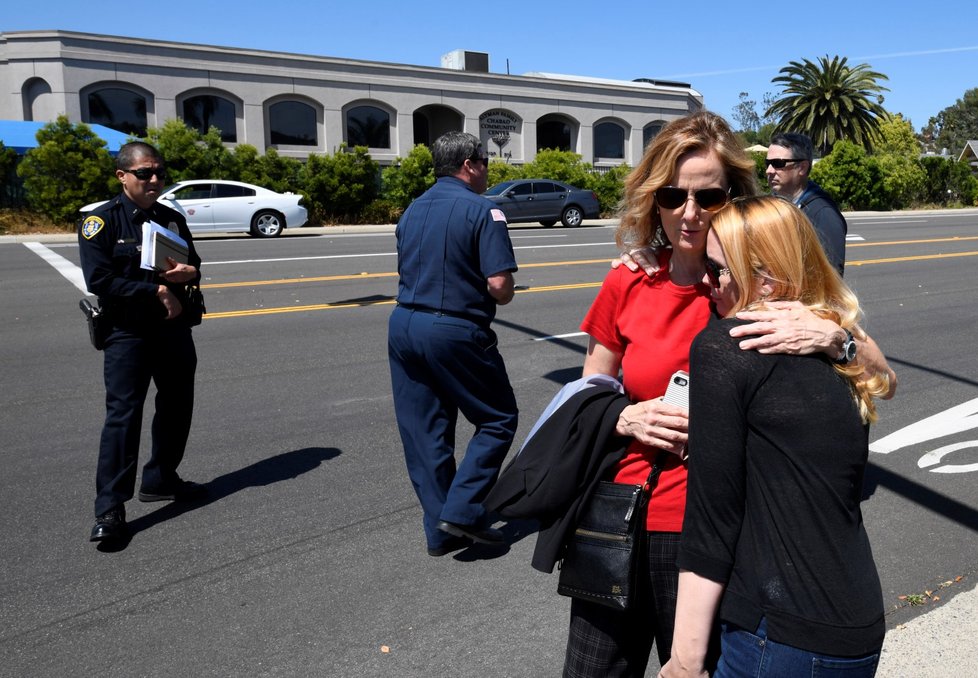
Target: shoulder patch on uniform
[
  {"x": 91, "y": 226},
  {"x": 497, "y": 215}
]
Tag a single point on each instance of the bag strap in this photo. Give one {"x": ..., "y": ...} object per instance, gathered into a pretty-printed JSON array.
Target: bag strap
[{"x": 653, "y": 479}]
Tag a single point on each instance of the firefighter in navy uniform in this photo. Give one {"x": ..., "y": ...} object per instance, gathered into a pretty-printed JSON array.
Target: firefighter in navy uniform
[{"x": 148, "y": 340}]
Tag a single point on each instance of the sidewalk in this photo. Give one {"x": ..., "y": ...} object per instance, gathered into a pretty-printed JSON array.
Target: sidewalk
[{"x": 938, "y": 644}]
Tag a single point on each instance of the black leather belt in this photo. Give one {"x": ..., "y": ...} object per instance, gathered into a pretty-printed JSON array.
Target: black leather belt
[{"x": 439, "y": 312}]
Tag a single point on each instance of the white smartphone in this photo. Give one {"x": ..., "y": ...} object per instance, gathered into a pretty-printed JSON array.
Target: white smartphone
[{"x": 677, "y": 393}]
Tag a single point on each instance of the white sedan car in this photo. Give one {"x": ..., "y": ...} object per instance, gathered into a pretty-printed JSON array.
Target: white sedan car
[{"x": 212, "y": 205}]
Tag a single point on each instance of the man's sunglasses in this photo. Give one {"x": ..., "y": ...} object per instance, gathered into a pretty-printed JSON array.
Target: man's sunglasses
[
  {"x": 714, "y": 271},
  {"x": 145, "y": 173},
  {"x": 709, "y": 199},
  {"x": 780, "y": 163},
  {"x": 483, "y": 160}
]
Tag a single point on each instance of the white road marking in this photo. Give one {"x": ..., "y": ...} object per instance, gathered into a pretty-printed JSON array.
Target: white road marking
[
  {"x": 935, "y": 456},
  {"x": 61, "y": 265},
  {"x": 852, "y": 237},
  {"x": 964, "y": 417},
  {"x": 561, "y": 336}
]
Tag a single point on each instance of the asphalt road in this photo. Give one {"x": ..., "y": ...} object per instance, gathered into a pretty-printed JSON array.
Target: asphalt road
[{"x": 308, "y": 559}]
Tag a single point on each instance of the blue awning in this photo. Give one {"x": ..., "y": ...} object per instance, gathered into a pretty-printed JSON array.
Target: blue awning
[{"x": 21, "y": 135}]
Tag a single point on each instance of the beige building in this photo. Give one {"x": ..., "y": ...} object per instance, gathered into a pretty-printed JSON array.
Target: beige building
[{"x": 301, "y": 104}]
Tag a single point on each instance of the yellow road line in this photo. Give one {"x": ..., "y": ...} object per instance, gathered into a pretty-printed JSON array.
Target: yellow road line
[
  {"x": 956, "y": 238},
  {"x": 362, "y": 276},
  {"x": 541, "y": 288},
  {"x": 385, "y": 302},
  {"x": 920, "y": 257}
]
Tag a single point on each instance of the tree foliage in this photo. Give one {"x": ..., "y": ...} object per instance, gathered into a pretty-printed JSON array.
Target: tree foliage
[
  {"x": 560, "y": 165},
  {"x": 500, "y": 171},
  {"x": 898, "y": 153},
  {"x": 271, "y": 170},
  {"x": 745, "y": 114},
  {"x": 340, "y": 186},
  {"x": 406, "y": 179},
  {"x": 949, "y": 182},
  {"x": 955, "y": 126},
  {"x": 8, "y": 164},
  {"x": 852, "y": 177},
  {"x": 190, "y": 154},
  {"x": 609, "y": 186},
  {"x": 830, "y": 101},
  {"x": 69, "y": 167}
]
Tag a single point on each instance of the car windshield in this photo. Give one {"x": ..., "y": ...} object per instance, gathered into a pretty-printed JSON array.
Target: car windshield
[{"x": 499, "y": 188}]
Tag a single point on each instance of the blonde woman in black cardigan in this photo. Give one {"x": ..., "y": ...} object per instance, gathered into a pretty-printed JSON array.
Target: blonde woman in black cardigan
[{"x": 773, "y": 542}]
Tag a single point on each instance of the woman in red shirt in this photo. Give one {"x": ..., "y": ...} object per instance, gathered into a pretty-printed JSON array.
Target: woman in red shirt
[{"x": 642, "y": 326}]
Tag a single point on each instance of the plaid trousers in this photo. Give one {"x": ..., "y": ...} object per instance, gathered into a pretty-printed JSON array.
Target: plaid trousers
[{"x": 603, "y": 642}]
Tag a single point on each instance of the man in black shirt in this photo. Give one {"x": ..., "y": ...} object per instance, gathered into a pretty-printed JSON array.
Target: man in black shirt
[{"x": 789, "y": 162}]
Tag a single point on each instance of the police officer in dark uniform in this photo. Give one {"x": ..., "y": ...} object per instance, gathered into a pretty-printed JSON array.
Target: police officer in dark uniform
[
  {"x": 149, "y": 340},
  {"x": 455, "y": 262}
]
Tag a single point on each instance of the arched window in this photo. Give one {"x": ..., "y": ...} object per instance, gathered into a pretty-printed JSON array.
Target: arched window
[
  {"x": 208, "y": 110},
  {"x": 609, "y": 141},
  {"x": 368, "y": 126},
  {"x": 35, "y": 93},
  {"x": 651, "y": 131},
  {"x": 292, "y": 123},
  {"x": 121, "y": 109},
  {"x": 553, "y": 134}
]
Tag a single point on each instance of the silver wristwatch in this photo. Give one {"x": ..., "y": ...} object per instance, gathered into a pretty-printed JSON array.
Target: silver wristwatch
[{"x": 848, "y": 349}]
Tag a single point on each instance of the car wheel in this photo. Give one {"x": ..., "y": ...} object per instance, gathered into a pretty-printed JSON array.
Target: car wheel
[
  {"x": 572, "y": 216},
  {"x": 548, "y": 223},
  {"x": 266, "y": 224}
]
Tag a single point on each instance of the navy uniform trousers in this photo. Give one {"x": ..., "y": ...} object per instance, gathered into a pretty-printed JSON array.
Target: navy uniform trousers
[
  {"x": 167, "y": 357},
  {"x": 441, "y": 366}
]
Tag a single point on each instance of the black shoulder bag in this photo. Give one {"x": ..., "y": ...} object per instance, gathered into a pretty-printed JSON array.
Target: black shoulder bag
[{"x": 601, "y": 558}]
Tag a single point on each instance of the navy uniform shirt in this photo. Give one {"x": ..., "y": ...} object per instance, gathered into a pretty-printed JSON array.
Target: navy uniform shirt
[
  {"x": 449, "y": 242},
  {"x": 110, "y": 246}
]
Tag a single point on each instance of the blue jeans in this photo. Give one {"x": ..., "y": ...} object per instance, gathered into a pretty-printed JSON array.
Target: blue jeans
[{"x": 743, "y": 654}]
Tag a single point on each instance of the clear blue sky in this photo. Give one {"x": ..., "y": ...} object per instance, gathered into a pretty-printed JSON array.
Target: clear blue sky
[{"x": 929, "y": 50}]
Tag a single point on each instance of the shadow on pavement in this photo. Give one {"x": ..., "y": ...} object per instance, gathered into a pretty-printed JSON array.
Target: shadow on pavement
[{"x": 281, "y": 467}]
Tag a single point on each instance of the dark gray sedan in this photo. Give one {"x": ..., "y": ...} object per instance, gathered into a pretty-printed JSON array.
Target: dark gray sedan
[{"x": 544, "y": 200}]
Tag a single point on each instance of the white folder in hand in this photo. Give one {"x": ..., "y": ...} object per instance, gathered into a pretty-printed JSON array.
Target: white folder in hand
[{"x": 160, "y": 243}]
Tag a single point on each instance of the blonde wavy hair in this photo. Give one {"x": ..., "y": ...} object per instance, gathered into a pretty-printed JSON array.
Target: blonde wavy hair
[
  {"x": 641, "y": 224},
  {"x": 766, "y": 239}
]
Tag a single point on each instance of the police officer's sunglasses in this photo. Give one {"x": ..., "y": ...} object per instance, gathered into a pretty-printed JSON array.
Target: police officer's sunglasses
[{"x": 146, "y": 173}]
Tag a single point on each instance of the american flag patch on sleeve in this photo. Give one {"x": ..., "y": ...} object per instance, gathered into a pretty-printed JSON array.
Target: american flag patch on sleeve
[{"x": 497, "y": 215}]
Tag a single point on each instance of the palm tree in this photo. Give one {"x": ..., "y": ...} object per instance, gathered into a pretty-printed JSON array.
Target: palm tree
[{"x": 830, "y": 101}]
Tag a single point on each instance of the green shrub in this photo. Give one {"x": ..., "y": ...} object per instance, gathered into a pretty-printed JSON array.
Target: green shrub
[
  {"x": 406, "y": 179},
  {"x": 609, "y": 188},
  {"x": 560, "y": 165},
  {"x": 381, "y": 212},
  {"x": 500, "y": 171},
  {"x": 69, "y": 168},
  {"x": 853, "y": 178},
  {"x": 341, "y": 185}
]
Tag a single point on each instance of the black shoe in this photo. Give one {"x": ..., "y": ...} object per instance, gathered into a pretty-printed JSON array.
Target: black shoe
[
  {"x": 182, "y": 490},
  {"x": 450, "y": 545},
  {"x": 110, "y": 526},
  {"x": 483, "y": 535}
]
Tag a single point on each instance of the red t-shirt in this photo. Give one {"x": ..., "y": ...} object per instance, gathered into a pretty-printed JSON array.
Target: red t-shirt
[{"x": 651, "y": 322}]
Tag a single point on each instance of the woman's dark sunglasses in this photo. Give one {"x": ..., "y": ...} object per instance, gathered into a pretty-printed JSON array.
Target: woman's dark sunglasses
[
  {"x": 714, "y": 271},
  {"x": 709, "y": 199},
  {"x": 144, "y": 173}
]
